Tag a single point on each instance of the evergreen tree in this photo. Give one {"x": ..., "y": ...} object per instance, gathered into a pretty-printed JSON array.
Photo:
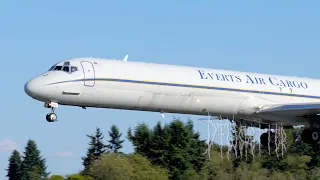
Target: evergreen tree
[
  {"x": 178, "y": 156},
  {"x": 33, "y": 175},
  {"x": 114, "y": 143},
  {"x": 14, "y": 169},
  {"x": 175, "y": 147},
  {"x": 33, "y": 164},
  {"x": 95, "y": 150},
  {"x": 197, "y": 147},
  {"x": 159, "y": 145},
  {"x": 141, "y": 139}
]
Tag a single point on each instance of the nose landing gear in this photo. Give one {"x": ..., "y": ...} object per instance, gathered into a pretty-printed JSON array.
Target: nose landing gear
[{"x": 51, "y": 117}]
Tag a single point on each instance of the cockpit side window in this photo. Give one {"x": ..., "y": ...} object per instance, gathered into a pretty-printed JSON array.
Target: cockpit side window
[
  {"x": 74, "y": 69},
  {"x": 66, "y": 68}
]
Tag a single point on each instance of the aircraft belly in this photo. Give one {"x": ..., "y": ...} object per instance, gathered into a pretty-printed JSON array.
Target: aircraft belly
[
  {"x": 199, "y": 102},
  {"x": 144, "y": 100},
  {"x": 216, "y": 105},
  {"x": 277, "y": 119},
  {"x": 168, "y": 101},
  {"x": 119, "y": 98}
]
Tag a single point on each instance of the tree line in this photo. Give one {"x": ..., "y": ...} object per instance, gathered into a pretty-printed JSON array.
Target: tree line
[{"x": 174, "y": 151}]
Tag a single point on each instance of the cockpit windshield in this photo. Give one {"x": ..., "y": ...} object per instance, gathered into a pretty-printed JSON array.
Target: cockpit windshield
[
  {"x": 66, "y": 68},
  {"x": 57, "y": 68}
]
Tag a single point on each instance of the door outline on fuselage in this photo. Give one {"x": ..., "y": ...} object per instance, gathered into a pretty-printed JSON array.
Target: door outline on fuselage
[{"x": 88, "y": 80}]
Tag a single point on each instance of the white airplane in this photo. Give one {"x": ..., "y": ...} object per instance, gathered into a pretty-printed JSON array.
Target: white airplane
[{"x": 257, "y": 99}]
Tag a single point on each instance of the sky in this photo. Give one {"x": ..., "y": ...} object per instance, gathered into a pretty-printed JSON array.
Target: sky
[{"x": 274, "y": 37}]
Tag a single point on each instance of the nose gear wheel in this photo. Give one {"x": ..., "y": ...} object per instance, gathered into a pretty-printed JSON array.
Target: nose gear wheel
[{"x": 51, "y": 117}]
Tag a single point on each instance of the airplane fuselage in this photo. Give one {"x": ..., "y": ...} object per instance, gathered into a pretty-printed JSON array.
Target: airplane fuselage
[{"x": 169, "y": 88}]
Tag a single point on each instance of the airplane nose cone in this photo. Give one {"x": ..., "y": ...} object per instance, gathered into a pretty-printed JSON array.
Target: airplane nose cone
[{"x": 31, "y": 88}]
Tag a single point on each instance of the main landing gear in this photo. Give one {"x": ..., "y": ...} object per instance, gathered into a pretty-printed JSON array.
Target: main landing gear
[
  {"x": 267, "y": 138},
  {"x": 312, "y": 134},
  {"x": 51, "y": 117}
]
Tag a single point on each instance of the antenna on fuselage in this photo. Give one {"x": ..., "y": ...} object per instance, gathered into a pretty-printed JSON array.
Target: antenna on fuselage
[{"x": 125, "y": 58}]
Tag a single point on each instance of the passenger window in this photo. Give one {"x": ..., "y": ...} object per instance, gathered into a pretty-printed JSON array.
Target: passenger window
[
  {"x": 66, "y": 68},
  {"x": 73, "y": 69},
  {"x": 57, "y": 68}
]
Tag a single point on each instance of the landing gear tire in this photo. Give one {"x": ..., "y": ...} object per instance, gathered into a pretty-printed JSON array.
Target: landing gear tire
[
  {"x": 51, "y": 117},
  {"x": 264, "y": 139},
  {"x": 310, "y": 136}
]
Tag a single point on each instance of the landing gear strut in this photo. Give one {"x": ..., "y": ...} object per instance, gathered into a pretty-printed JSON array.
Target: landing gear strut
[
  {"x": 312, "y": 134},
  {"x": 51, "y": 117}
]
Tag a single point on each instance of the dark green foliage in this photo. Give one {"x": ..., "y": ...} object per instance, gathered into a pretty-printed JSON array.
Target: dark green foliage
[
  {"x": 239, "y": 139},
  {"x": 33, "y": 175},
  {"x": 56, "y": 177},
  {"x": 175, "y": 147},
  {"x": 116, "y": 166},
  {"x": 14, "y": 169},
  {"x": 33, "y": 165},
  {"x": 78, "y": 177},
  {"x": 160, "y": 141},
  {"x": 96, "y": 148},
  {"x": 300, "y": 148},
  {"x": 175, "y": 151},
  {"x": 265, "y": 167},
  {"x": 196, "y": 148},
  {"x": 291, "y": 161},
  {"x": 141, "y": 139},
  {"x": 114, "y": 143}
]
